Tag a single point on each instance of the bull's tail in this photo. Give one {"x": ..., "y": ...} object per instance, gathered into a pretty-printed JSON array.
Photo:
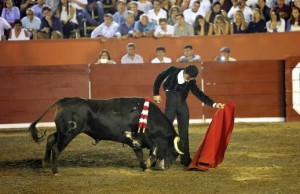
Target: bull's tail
[{"x": 35, "y": 135}]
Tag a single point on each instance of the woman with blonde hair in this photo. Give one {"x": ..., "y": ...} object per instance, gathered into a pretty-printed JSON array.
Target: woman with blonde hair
[
  {"x": 173, "y": 11},
  {"x": 221, "y": 25},
  {"x": 258, "y": 24},
  {"x": 239, "y": 25}
]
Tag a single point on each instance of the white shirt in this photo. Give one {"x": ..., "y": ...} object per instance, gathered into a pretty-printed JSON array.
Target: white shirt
[
  {"x": 165, "y": 60},
  {"x": 205, "y": 6},
  {"x": 155, "y": 18},
  {"x": 21, "y": 36},
  {"x": 247, "y": 13},
  {"x": 279, "y": 28},
  {"x": 158, "y": 30},
  {"x": 180, "y": 77},
  {"x": 190, "y": 16},
  {"x": 145, "y": 6},
  {"x": 3, "y": 25},
  {"x": 136, "y": 59},
  {"x": 106, "y": 31}
]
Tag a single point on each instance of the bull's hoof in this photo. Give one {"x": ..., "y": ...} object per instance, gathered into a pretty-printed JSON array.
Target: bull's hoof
[
  {"x": 157, "y": 168},
  {"x": 54, "y": 170},
  {"x": 45, "y": 163},
  {"x": 147, "y": 170}
]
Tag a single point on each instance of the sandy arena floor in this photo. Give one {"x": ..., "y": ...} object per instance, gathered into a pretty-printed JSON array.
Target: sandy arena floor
[{"x": 260, "y": 158}]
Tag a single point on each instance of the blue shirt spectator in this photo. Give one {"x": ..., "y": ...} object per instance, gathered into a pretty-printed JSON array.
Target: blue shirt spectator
[
  {"x": 144, "y": 27},
  {"x": 38, "y": 9},
  {"x": 10, "y": 12}
]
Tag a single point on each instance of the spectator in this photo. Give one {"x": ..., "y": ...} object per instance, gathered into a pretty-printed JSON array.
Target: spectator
[
  {"x": 107, "y": 29},
  {"x": 144, "y": 5},
  {"x": 163, "y": 30},
  {"x": 215, "y": 10},
  {"x": 226, "y": 5},
  {"x": 109, "y": 6},
  {"x": 258, "y": 24},
  {"x": 205, "y": 6},
  {"x": 50, "y": 26},
  {"x": 224, "y": 55},
  {"x": 191, "y": 13},
  {"x": 221, "y": 26},
  {"x": 67, "y": 14},
  {"x": 182, "y": 28},
  {"x": 105, "y": 58},
  {"x": 18, "y": 33},
  {"x": 119, "y": 16},
  {"x": 241, "y": 5},
  {"x": 297, "y": 3},
  {"x": 173, "y": 12},
  {"x": 31, "y": 23},
  {"x": 239, "y": 25},
  {"x": 93, "y": 14},
  {"x": 166, "y": 5},
  {"x": 201, "y": 27},
  {"x": 53, "y": 4},
  {"x": 156, "y": 13},
  {"x": 189, "y": 55},
  {"x": 160, "y": 56},
  {"x": 133, "y": 6},
  {"x": 126, "y": 29},
  {"x": 4, "y": 25},
  {"x": 131, "y": 56},
  {"x": 293, "y": 23},
  {"x": 10, "y": 12},
  {"x": 25, "y": 4},
  {"x": 264, "y": 8},
  {"x": 38, "y": 8},
  {"x": 143, "y": 27},
  {"x": 283, "y": 9},
  {"x": 276, "y": 24}
]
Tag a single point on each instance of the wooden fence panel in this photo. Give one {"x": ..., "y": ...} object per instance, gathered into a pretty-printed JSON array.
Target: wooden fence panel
[{"x": 27, "y": 91}]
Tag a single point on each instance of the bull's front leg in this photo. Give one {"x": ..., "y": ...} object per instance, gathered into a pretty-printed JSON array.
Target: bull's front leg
[{"x": 139, "y": 155}]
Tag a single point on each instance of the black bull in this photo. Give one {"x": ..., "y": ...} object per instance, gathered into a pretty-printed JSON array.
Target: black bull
[{"x": 113, "y": 119}]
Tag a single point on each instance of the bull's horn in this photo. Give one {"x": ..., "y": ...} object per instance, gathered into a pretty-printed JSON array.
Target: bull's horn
[{"x": 176, "y": 140}]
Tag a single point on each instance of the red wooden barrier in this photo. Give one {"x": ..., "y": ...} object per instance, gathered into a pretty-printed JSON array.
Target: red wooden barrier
[
  {"x": 262, "y": 46},
  {"x": 27, "y": 91}
]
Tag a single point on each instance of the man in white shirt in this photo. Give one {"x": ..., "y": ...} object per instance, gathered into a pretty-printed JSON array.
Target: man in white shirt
[
  {"x": 241, "y": 5},
  {"x": 156, "y": 13},
  {"x": 224, "y": 55},
  {"x": 131, "y": 56},
  {"x": 160, "y": 53},
  {"x": 163, "y": 30},
  {"x": 107, "y": 29},
  {"x": 4, "y": 25},
  {"x": 32, "y": 23},
  {"x": 191, "y": 13}
]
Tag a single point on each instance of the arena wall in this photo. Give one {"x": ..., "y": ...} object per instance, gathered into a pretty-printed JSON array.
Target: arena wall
[
  {"x": 34, "y": 74},
  {"x": 266, "y": 46}
]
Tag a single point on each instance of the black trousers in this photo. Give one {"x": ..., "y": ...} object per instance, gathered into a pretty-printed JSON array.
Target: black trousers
[{"x": 176, "y": 107}]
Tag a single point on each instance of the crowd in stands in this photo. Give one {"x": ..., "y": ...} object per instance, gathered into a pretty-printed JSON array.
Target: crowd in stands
[{"x": 56, "y": 19}]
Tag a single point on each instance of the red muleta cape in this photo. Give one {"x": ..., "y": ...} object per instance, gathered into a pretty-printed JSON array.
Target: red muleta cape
[{"x": 212, "y": 149}]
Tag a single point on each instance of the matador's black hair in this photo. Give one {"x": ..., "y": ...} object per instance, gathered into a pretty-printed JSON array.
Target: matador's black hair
[{"x": 191, "y": 70}]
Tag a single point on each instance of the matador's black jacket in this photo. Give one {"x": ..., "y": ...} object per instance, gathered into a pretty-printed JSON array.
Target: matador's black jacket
[{"x": 171, "y": 84}]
